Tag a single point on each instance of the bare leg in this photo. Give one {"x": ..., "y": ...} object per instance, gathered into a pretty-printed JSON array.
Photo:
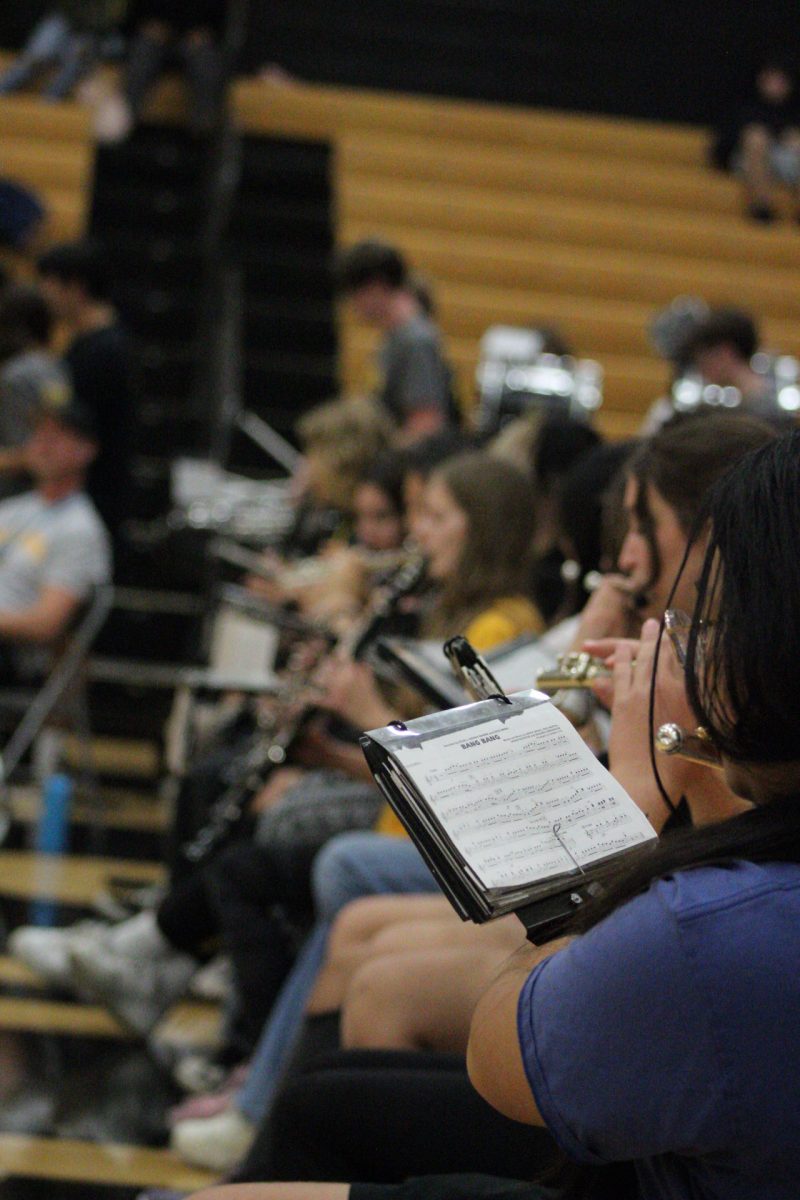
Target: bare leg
[
  {"x": 353, "y": 931},
  {"x": 418, "y": 1000}
]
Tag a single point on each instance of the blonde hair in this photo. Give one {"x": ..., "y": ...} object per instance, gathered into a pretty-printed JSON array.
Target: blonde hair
[{"x": 347, "y": 435}]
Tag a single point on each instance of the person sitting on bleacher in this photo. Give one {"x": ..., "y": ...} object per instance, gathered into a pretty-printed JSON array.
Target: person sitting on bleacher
[
  {"x": 760, "y": 142},
  {"x": 69, "y": 40},
  {"x": 54, "y": 548},
  {"x": 189, "y": 33}
]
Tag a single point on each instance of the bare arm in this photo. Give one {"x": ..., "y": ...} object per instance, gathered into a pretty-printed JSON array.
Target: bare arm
[
  {"x": 42, "y": 621},
  {"x": 494, "y": 1058}
]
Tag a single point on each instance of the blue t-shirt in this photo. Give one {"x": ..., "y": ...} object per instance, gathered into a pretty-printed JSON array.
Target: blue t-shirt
[{"x": 670, "y": 1035}]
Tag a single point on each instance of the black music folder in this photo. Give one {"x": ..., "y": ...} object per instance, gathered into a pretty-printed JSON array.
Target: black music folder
[
  {"x": 421, "y": 665},
  {"x": 507, "y": 805}
]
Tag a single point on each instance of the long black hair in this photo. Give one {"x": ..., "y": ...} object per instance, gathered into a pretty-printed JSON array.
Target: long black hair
[
  {"x": 742, "y": 663},
  {"x": 741, "y": 679}
]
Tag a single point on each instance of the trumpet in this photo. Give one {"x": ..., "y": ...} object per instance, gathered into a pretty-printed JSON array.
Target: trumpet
[
  {"x": 574, "y": 670},
  {"x": 696, "y": 746}
]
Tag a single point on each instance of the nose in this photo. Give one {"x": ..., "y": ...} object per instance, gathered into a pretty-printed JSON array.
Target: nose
[{"x": 634, "y": 558}]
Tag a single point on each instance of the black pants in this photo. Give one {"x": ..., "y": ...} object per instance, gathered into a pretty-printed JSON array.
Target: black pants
[
  {"x": 382, "y": 1116},
  {"x": 247, "y": 903}
]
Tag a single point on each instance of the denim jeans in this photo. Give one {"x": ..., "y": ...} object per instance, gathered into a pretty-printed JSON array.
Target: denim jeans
[
  {"x": 53, "y": 42},
  {"x": 350, "y": 866}
]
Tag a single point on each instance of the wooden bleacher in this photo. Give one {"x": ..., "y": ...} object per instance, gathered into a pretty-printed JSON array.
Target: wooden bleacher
[
  {"x": 521, "y": 216},
  {"x": 517, "y": 216},
  {"x": 27, "y": 1008},
  {"x": 49, "y": 147},
  {"x": 72, "y": 880},
  {"x": 65, "y": 1160}
]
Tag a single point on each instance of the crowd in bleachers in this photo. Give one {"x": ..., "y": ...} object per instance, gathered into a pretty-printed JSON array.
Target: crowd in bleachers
[{"x": 373, "y": 1041}]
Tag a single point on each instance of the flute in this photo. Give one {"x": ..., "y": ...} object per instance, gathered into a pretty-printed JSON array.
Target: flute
[{"x": 695, "y": 745}]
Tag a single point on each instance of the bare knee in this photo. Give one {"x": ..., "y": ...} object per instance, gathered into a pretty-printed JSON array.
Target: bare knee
[
  {"x": 375, "y": 1013},
  {"x": 352, "y": 927}
]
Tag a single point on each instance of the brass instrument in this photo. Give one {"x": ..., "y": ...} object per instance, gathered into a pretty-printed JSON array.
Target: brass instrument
[
  {"x": 574, "y": 670},
  {"x": 696, "y": 746}
]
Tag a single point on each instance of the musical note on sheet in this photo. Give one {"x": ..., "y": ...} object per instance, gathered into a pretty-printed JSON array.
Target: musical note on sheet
[{"x": 524, "y": 799}]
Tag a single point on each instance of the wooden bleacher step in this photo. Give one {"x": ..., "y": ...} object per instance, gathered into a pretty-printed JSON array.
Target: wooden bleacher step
[
  {"x": 111, "y": 1164},
  {"x": 653, "y": 278},
  {"x": 50, "y": 148},
  {"x": 190, "y": 1024},
  {"x": 313, "y": 111},
  {"x": 592, "y": 224},
  {"x": 119, "y": 808},
  {"x": 550, "y": 172},
  {"x": 59, "y": 1018},
  {"x": 66, "y": 879}
]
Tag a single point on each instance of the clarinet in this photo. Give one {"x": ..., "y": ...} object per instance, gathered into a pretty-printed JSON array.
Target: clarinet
[{"x": 269, "y": 749}]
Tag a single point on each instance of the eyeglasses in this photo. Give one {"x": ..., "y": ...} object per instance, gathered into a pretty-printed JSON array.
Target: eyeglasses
[
  {"x": 678, "y": 626},
  {"x": 670, "y": 738}
]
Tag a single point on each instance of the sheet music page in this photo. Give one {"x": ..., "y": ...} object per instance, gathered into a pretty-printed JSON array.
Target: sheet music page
[{"x": 524, "y": 798}]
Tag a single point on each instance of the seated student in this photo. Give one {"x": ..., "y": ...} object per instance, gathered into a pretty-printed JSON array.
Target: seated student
[
  {"x": 53, "y": 547},
  {"x": 661, "y": 1035},
  {"x": 760, "y": 141},
  {"x": 344, "y": 441},
  {"x": 165, "y": 30},
  {"x": 416, "y": 381},
  {"x": 70, "y": 39}
]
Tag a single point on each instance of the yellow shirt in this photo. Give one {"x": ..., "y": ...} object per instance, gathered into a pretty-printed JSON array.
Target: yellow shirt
[{"x": 508, "y": 618}]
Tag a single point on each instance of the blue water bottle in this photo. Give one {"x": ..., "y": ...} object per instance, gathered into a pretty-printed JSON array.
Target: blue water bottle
[{"x": 52, "y": 838}]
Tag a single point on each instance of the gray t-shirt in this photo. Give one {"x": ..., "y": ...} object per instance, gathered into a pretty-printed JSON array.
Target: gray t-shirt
[
  {"x": 415, "y": 373},
  {"x": 62, "y": 545}
]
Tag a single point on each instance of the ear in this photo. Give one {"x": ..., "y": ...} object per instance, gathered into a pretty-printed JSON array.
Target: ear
[{"x": 89, "y": 452}]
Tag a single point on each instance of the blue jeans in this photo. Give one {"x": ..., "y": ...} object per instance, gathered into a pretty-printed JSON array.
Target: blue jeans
[
  {"x": 53, "y": 42},
  {"x": 350, "y": 866}
]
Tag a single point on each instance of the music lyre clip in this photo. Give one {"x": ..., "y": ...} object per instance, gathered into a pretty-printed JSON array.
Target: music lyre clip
[
  {"x": 557, "y": 835},
  {"x": 473, "y": 670}
]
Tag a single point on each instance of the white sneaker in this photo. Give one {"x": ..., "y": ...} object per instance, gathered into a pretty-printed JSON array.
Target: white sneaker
[
  {"x": 216, "y": 1143},
  {"x": 214, "y": 981},
  {"x": 137, "y": 990},
  {"x": 113, "y": 120},
  {"x": 46, "y": 951}
]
